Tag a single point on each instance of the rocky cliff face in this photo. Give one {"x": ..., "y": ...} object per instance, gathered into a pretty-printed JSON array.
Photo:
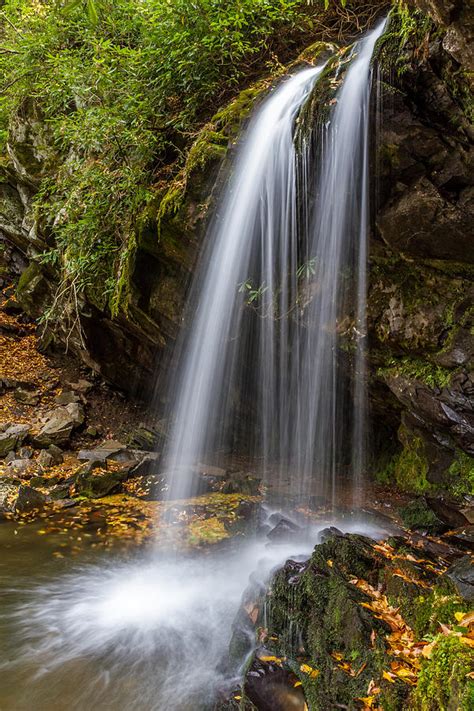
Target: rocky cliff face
[
  {"x": 421, "y": 295},
  {"x": 420, "y": 301}
]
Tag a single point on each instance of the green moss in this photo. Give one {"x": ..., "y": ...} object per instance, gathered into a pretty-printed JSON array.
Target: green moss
[
  {"x": 120, "y": 298},
  {"x": 443, "y": 683},
  {"x": 417, "y": 514},
  {"x": 434, "y": 376},
  {"x": 410, "y": 466},
  {"x": 424, "y": 609},
  {"x": 209, "y": 147},
  {"x": 398, "y": 48},
  {"x": 461, "y": 475}
]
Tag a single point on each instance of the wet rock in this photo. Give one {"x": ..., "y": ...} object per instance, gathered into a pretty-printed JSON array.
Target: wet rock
[
  {"x": 447, "y": 512},
  {"x": 462, "y": 538},
  {"x": 330, "y": 533},
  {"x": 59, "y": 425},
  {"x": 442, "y": 228},
  {"x": 96, "y": 483},
  {"x": 28, "y": 499},
  {"x": 462, "y": 575},
  {"x": 146, "y": 438},
  {"x": 283, "y": 530},
  {"x": 241, "y": 483},
  {"x": 146, "y": 466},
  {"x": 272, "y": 688},
  {"x": 12, "y": 437}
]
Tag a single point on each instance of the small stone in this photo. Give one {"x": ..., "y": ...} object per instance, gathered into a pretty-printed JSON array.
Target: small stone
[
  {"x": 45, "y": 459},
  {"x": 82, "y": 386},
  {"x": 19, "y": 466},
  {"x": 110, "y": 449},
  {"x": 59, "y": 425},
  {"x": 66, "y": 397},
  {"x": 28, "y": 499},
  {"x": 56, "y": 453},
  {"x": 8, "y": 493},
  {"x": 92, "y": 431},
  {"x": 12, "y": 437},
  {"x": 10, "y": 457},
  {"x": 27, "y": 397},
  {"x": 26, "y": 452}
]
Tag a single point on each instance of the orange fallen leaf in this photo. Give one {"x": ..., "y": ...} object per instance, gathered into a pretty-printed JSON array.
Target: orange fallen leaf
[{"x": 306, "y": 669}]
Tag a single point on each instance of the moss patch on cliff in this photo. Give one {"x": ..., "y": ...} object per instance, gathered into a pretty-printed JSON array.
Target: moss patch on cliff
[{"x": 408, "y": 468}]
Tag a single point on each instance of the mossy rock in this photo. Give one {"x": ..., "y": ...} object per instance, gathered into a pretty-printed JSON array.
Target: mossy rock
[
  {"x": 417, "y": 515},
  {"x": 315, "y": 612},
  {"x": 96, "y": 483},
  {"x": 32, "y": 290}
]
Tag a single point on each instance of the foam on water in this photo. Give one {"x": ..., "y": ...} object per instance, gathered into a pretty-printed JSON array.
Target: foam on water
[{"x": 150, "y": 634}]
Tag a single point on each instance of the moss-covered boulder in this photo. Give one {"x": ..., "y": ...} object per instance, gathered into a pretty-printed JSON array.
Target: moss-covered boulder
[{"x": 351, "y": 625}]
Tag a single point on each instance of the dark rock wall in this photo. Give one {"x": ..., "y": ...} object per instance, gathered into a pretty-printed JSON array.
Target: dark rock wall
[{"x": 421, "y": 314}]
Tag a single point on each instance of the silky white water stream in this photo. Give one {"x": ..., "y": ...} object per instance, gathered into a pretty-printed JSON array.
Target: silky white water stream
[{"x": 278, "y": 296}]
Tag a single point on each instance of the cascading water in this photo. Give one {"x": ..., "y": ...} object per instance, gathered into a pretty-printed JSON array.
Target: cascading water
[
  {"x": 281, "y": 279},
  {"x": 256, "y": 220}
]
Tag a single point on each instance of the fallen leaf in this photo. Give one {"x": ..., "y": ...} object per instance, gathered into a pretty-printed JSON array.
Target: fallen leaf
[{"x": 306, "y": 669}]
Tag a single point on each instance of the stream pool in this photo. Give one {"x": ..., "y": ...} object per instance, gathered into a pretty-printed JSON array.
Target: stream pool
[{"x": 122, "y": 629}]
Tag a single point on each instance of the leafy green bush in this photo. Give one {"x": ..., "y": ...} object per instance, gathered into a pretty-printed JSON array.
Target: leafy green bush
[{"x": 123, "y": 87}]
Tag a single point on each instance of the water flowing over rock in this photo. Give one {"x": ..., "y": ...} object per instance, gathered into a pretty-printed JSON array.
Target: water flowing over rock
[{"x": 282, "y": 276}]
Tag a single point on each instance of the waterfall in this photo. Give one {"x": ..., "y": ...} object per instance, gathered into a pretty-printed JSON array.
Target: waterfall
[{"x": 279, "y": 288}]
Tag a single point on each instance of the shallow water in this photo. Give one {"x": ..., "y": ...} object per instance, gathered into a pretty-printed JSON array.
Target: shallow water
[{"x": 114, "y": 630}]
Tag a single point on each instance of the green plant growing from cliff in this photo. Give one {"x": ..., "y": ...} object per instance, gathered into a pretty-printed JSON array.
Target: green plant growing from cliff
[
  {"x": 121, "y": 89},
  {"x": 407, "y": 33}
]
